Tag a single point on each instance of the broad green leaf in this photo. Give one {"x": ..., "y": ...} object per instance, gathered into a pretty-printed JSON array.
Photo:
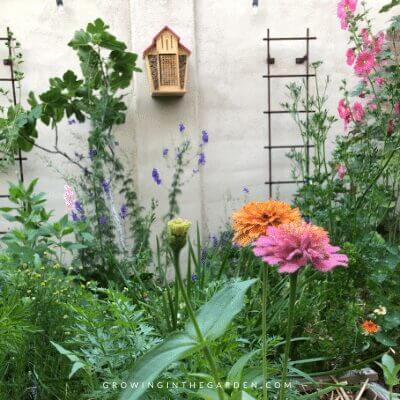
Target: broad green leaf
[
  {"x": 388, "y": 362},
  {"x": 236, "y": 372},
  {"x": 76, "y": 366},
  {"x": 208, "y": 394},
  {"x": 154, "y": 362},
  {"x": 215, "y": 316},
  {"x": 392, "y": 320},
  {"x": 246, "y": 396},
  {"x": 213, "y": 319},
  {"x": 384, "y": 339}
]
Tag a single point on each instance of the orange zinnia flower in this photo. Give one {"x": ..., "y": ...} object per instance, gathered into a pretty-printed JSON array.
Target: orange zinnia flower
[
  {"x": 370, "y": 327},
  {"x": 252, "y": 220}
]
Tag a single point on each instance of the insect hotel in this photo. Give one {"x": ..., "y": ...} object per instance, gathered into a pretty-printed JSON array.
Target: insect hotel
[{"x": 167, "y": 63}]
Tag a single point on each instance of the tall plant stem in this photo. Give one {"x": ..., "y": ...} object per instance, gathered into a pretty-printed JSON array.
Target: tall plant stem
[
  {"x": 264, "y": 329},
  {"x": 289, "y": 329},
  {"x": 192, "y": 316}
]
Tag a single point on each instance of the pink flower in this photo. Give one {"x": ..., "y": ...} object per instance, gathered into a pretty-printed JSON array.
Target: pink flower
[
  {"x": 365, "y": 37},
  {"x": 69, "y": 197},
  {"x": 379, "y": 80},
  {"x": 344, "y": 9},
  {"x": 350, "y": 56},
  {"x": 344, "y": 112},
  {"x": 378, "y": 42},
  {"x": 341, "y": 171},
  {"x": 365, "y": 62},
  {"x": 396, "y": 108},
  {"x": 294, "y": 245},
  {"x": 358, "y": 111}
]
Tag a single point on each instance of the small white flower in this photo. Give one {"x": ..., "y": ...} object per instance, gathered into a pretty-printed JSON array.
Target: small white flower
[{"x": 381, "y": 310}]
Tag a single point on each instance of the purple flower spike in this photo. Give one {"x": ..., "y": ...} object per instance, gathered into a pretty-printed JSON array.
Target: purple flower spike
[
  {"x": 165, "y": 152},
  {"x": 74, "y": 216},
  {"x": 246, "y": 190},
  {"x": 123, "y": 212},
  {"x": 202, "y": 159},
  {"x": 103, "y": 220},
  {"x": 92, "y": 154},
  {"x": 204, "y": 137},
  {"x": 194, "y": 277},
  {"x": 156, "y": 176},
  {"x": 106, "y": 186},
  {"x": 181, "y": 128},
  {"x": 79, "y": 207}
]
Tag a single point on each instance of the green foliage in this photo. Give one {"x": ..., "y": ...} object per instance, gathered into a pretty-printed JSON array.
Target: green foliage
[
  {"x": 36, "y": 240},
  {"x": 389, "y": 6},
  {"x": 107, "y": 334},
  {"x": 212, "y": 325}
]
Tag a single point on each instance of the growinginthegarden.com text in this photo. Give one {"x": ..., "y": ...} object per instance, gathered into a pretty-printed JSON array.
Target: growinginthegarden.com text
[{"x": 191, "y": 385}]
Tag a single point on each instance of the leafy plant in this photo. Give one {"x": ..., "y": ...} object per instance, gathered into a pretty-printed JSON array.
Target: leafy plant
[{"x": 390, "y": 372}]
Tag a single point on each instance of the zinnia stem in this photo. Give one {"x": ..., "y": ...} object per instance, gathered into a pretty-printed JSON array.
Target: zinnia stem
[
  {"x": 289, "y": 329},
  {"x": 264, "y": 329},
  {"x": 192, "y": 316}
]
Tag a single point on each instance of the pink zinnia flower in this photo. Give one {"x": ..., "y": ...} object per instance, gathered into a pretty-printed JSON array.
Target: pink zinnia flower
[
  {"x": 341, "y": 171},
  {"x": 379, "y": 80},
  {"x": 344, "y": 112},
  {"x": 292, "y": 246},
  {"x": 344, "y": 8},
  {"x": 365, "y": 62},
  {"x": 358, "y": 111},
  {"x": 69, "y": 197},
  {"x": 350, "y": 56}
]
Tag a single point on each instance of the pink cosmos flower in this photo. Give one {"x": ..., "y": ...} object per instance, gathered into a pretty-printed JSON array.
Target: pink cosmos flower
[
  {"x": 341, "y": 171},
  {"x": 344, "y": 8},
  {"x": 292, "y": 246},
  {"x": 379, "y": 80},
  {"x": 358, "y": 111},
  {"x": 350, "y": 56},
  {"x": 344, "y": 112},
  {"x": 69, "y": 197},
  {"x": 365, "y": 62}
]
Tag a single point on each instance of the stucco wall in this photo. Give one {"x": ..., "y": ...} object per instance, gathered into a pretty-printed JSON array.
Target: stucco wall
[{"x": 226, "y": 93}]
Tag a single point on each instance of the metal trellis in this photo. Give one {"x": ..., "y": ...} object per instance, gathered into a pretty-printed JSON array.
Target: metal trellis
[
  {"x": 307, "y": 75},
  {"x": 9, "y": 63}
]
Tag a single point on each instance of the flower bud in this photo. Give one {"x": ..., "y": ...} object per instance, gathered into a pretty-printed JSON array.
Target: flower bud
[{"x": 177, "y": 230}]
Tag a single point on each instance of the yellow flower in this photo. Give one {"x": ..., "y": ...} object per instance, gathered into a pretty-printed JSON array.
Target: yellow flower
[{"x": 177, "y": 230}]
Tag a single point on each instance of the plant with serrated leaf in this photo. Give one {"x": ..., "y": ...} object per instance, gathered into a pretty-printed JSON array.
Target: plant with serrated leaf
[
  {"x": 96, "y": 95},
  {"x": 107, "y": 335}
]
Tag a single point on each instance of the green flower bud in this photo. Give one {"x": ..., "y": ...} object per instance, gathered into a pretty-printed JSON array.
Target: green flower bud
[{"x": 177, "y": 230}]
